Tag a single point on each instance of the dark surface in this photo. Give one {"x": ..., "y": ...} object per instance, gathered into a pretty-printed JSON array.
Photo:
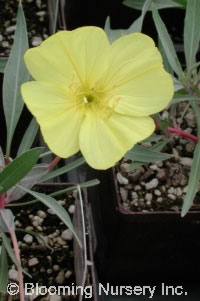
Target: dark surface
[
  {"x": 94, "y": 12},
  {"x": 129, "y": 252}
]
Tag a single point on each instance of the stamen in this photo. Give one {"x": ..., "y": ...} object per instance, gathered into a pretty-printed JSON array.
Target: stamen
[{"x": 85, "y": 99}]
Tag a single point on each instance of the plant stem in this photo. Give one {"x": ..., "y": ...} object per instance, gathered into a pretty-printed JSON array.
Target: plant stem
[
  {"x": 182, "y": 133},
  {"x": 54, "y": 162},
  {"x": 17, "y": 254}
]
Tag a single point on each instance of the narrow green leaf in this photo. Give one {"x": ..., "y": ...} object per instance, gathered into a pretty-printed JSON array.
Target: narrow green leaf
[
  {"x": 3, "y": 63},
  {"x": 193, "y": 182},
  {"x": 160, "y": 4},
  {"x": 14, "y": 75},
  {"x": 137, "y": 24},
  {"x": 139, "y": 153},
  {"x": 153, "y": 138},
  {"x": 183, "y": 3},
  {"x": 28, "y": 137},
  {"x": 7, "y": 220},
  {"x": 59, "y": 192},
  {"x": 195, "y": 107},
  {"x": 113, "y": 34},
  {"x": 181, "y": 97},
  {"x": 191, "y": 31},
  {"x": 56, "y": 207},
  {"x": 10, "y": 252},
  {"x": 166, "y": 42},
  {"x": 37, "y": 235},
  {"x": 157, "y": 147},
  {"x": 166, "y": 63},
  {"x": 63, "y": 169},
  {"x": 18, "y": 168},
  {"x": 3, "y": 269}
]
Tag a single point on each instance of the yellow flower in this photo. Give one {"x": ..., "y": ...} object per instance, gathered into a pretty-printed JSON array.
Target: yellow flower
[{"x": 95, "y": 97}]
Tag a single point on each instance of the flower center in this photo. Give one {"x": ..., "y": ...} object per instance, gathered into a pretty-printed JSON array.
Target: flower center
[
  {"x": 100, "y": 103},
  {"x": 88, "y": 98}
]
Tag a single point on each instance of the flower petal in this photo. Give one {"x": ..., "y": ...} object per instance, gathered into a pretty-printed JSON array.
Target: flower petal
[
  {"x": 104, "y": 142},
  {"x": 46, "y": 100},
  {"x": 57, "y": 115},
  {"x": 70, "y": 55},
  {"x": 130, "y": 56},
  {"x": 62, "y": 133},
  {"x": 146, "y": 94}
]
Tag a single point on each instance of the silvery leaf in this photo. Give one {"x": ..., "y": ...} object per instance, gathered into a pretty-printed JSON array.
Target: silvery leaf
[
  {"x": 28, "y": 182},
  {"x": 6, "y": 220}
]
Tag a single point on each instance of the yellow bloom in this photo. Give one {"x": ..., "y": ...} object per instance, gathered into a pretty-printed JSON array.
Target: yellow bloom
[{"x": 93, "y": 96}]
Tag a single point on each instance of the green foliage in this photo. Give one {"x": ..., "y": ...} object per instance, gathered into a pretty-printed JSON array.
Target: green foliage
[
  {"x": 18, "y": 168},
  {"x": 160, "y": 4},
  {"x": 15, "y": 74},
  {"x": 3, "y": 63},
  {"x": 3, "y": 269},
  {"x": 191, "y": 32}
]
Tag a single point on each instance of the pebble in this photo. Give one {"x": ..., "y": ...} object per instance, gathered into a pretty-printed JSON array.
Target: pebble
[
  {"x": 49, "y": 271},
  {"x": 55, "y": 267},
  {"x": 67, "y": 234},
  {"x": 13, "y": 274},
  {"x": 147, "y": 174},
  {"x": 36, "y": 41},
  {"x": 186, "y": 161},
  {"x": 136, "y": 174},
  {"x": 61, "y": 241},
  {"x": 185, "y": 189},
  {"x": 154, "y": 167},
  {"x": 122, "y": 180},
  {"x": 171, "y": 190},
  {"x": 11, "y": 29},
  {"x": 134, "y": 195},
  {"x": 51, "y": 211},
  {"x": 171, "y": 197},
  {"x": 1, "y": 38},
  {"x": 32, "y": 262},
  {"x": 190, "y": 119},
  {"x": 152, "y": 184},
  {"x": 165, "y": 115},
  {"x": 157, "y": 192},
  {"x": 148, "y": 197},
  {"x": 38, "y": 220},
  {"x": 68, "y": 274},
  {"x": 123, "y": 194},
  {"x": 41, "y": 214},
  {"x": 148, "y": 203},
  {"x": 161, "y": 175},
  {"x": 159, "y": 200},
  {"x": 159, "y": 163},
  {"x": 179, "y": 191},
  {"x": 28, "y": 238},
  {"x": 135, "y": 203},
  {"x": 60, "y": 277},
  {"x": 39, "y": 3},
  {"x": 41, "y": 13},
  {"x": 175, "y": 153},
  {"x": 124, "y": 167},
  {"x": 137, "y": 187},
  {"x": 71, "y": 209},
  {"x": 190, "y": 147}
]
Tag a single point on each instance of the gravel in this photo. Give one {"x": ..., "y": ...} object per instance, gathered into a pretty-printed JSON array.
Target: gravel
[{"x": 161, "y": 185}]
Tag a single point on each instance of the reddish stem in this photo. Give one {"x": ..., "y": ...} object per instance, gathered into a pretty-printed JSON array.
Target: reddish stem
[
  {"x": 2, "y": 200},
  {"x": 54, "y": 162},
  {"x": 182, "y": 133},
  {"x": 7, "y": 160},
  {"x": 17, "y": 254}
]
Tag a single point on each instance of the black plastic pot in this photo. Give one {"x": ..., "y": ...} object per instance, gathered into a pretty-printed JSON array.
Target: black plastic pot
[{"x": 141, "y": 247}]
